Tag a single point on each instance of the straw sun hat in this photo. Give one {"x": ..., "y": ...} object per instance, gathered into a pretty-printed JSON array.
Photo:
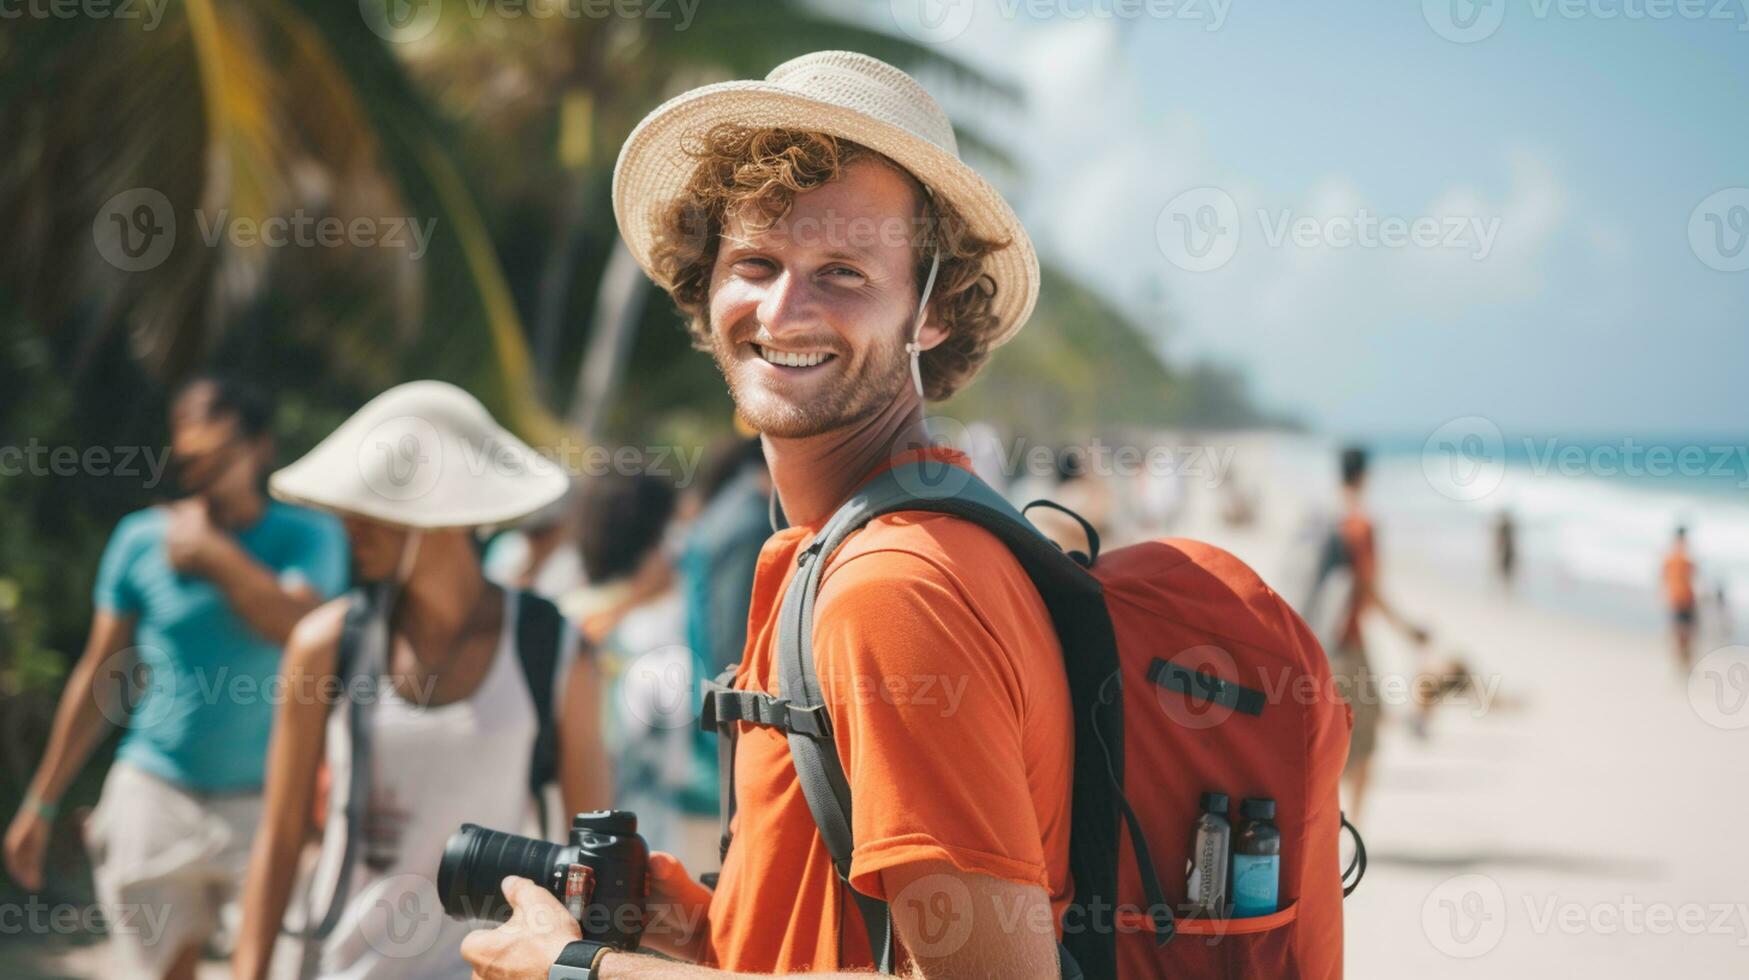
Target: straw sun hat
[
  {"x": 843, "y": 94},
  {"x": 424, "y": 455}
]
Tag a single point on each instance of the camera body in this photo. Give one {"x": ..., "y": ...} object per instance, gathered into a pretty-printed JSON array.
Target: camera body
[{"x": 598, "y": 874}]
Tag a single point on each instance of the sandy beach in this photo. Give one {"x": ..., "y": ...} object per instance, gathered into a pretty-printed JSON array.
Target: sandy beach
[
  {"x": 1582, "y": 819},
  {"x": 1585, "y": 822}
]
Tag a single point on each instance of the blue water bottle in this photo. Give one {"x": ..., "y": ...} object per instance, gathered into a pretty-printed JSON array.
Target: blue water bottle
[{"x": 1256, "y": 874}]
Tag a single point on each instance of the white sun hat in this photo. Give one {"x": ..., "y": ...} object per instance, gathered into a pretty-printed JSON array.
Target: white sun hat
[
  {"x": 424, "y": 455},
  {"x": 844, "y": 94}
]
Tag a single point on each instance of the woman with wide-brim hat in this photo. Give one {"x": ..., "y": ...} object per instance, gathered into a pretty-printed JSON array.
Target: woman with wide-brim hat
[{"x": 435, "y": 661}]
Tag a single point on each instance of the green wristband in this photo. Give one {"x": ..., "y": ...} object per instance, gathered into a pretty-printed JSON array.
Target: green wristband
[{"x": 41, "y": 807}]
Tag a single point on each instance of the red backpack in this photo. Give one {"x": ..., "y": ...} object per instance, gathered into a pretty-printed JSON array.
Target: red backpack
[{"x": 1187, "y": 673}]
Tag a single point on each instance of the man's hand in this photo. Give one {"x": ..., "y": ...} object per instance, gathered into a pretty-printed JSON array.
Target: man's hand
[
  {"x": 527, "y": 946},
  {"x": 26, "y": 842},
  {"x": 192, "y": 543},
  {"x": 677, "y": 907}
]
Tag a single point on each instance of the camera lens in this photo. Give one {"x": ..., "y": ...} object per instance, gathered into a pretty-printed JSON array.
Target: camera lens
[{"x": 475, "y": 863}]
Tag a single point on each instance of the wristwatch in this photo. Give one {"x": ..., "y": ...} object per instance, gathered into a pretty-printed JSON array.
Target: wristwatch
[{"x": 580, "y": 960}]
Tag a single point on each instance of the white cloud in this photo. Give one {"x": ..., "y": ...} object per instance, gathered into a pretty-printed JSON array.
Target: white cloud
[{"x": 1105, "y": 154}]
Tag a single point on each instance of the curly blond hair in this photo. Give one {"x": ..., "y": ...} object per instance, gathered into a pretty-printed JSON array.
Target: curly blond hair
[{"x": 757, "y": 173}]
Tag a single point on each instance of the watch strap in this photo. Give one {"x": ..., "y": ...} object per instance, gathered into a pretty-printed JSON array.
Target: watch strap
[{"x": 580, "y": 960}]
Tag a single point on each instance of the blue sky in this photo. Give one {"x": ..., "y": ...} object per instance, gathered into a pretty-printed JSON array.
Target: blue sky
[{"x": 1585, "y": 143}]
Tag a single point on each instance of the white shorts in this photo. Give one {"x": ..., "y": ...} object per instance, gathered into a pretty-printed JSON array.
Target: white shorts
[{"x": 168, "y": 864}]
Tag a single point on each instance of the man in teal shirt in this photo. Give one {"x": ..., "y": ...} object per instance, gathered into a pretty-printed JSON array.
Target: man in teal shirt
[{"x": 193, "y": 602}]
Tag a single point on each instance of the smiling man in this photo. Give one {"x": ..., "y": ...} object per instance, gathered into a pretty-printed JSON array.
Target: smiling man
[{"x": 841, "y": 264}]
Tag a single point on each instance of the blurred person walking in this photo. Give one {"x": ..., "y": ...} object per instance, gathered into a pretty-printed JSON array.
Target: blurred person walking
[
  {"x": 652, "y": 721},
  {"x": 540, "y": 554},
  {"x": 720, "y": 554},
  {"x": 434, "y": 697},
  {"x": 1350, "y": 663},
  {"x": 1679, "y": 597},
  {"x": 1724, "y": 625},
  {"x": 1506, "y": 548},
  {"x": 193, "y": 602}
]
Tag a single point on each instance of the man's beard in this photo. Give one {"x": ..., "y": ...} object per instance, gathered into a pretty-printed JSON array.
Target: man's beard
[{"x": 880, "y": 379}]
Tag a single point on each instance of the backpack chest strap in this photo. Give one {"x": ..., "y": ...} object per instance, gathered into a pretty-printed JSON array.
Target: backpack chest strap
[{"x": 725, "y": 706}]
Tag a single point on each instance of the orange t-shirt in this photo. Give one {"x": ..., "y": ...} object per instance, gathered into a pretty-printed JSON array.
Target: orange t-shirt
[
  {"x": 951, "y": 716},
  {"x": 1679, "y": 581},
  {"x": 1357, "y": 536}
]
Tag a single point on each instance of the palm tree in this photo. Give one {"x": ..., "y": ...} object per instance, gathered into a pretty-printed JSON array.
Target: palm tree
[
  {"x": 236, "y": 114},
  {"x": 231, "y": 116}
]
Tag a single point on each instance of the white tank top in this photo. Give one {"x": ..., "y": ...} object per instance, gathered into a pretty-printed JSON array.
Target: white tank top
[{"x": 434, "y": 769}]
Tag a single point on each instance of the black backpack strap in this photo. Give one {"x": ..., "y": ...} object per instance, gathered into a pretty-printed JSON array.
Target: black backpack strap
[
  {"x": 361, "y": 658},
  {"x": 539, "y": 635},
  {"x": 1077, "y": 608},
  {"x": 721, "y": 721},
  {"x": 1332, "y": 555},
  {"x": 1356, "y": 865}
]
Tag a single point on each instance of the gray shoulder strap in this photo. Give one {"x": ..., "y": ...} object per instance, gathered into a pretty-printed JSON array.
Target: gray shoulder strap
[{"x": 361, "y": 658}]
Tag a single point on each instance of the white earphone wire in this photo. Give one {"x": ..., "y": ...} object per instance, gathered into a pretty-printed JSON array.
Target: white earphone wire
[{"x": 915, "y": 348}]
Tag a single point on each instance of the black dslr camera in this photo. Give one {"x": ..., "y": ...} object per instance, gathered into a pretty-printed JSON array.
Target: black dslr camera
[{"x": 599, "y": 875}]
